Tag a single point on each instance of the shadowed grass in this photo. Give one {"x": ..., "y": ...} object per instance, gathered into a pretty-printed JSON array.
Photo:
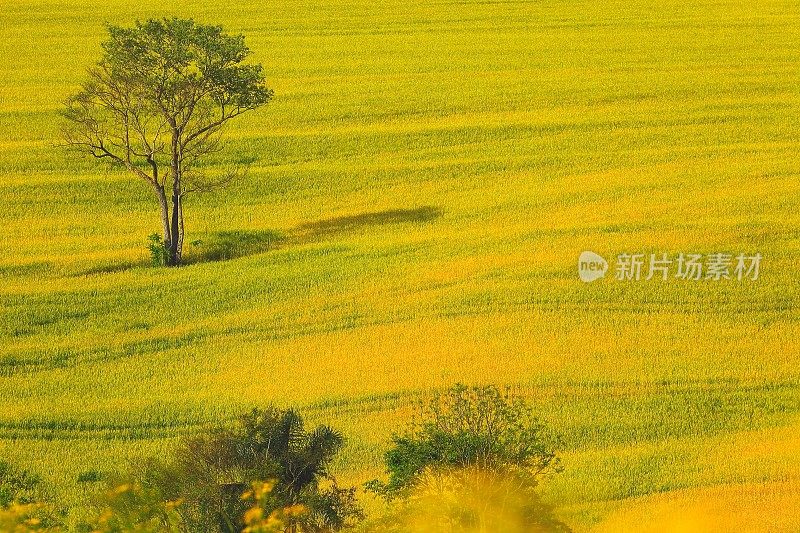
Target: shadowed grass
[
  {"x": 331, "y": 227},
  {"x": 226, "y": 245}
]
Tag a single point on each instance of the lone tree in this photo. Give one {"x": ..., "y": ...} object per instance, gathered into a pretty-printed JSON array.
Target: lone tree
[{"x": 156, "y": 104}]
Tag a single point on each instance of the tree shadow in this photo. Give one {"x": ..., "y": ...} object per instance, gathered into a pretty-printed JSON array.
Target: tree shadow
[
  {"x": 226, "y": 245},
  {"x": 111, "y": 268},
  {"x": 332, "y": 226}
]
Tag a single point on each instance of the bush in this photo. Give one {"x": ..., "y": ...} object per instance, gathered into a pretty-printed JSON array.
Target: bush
[
  {"x": 466, "y": 427},
  {"x": 470, "y": 462},
  {"x": 209, "y": 474},
  {"x": 23, "y": 502}
]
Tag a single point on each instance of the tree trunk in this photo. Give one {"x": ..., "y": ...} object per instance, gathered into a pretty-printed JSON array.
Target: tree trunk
[
  {"x": 182, "y": 232},
  {"x": 176, "y": 230},
  {"x": 162, "y": 201},
  {"x": 177, "y": 238}
]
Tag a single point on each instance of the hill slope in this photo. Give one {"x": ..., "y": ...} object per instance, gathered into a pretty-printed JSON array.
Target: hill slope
[{"x": 424, "y": 182}]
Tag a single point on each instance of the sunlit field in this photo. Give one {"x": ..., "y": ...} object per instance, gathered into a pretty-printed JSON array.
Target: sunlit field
[{"x": 420, "y": 190}]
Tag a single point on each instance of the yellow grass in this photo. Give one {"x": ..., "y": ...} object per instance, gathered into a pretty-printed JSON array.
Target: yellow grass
[{"x": 436, "y": 168}]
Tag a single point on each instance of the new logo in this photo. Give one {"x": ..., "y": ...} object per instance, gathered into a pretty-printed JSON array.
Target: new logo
[{"x": 591, "y": 267}]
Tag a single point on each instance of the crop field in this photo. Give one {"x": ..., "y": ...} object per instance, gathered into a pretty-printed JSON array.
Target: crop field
[{"x": 420, "y": 190}]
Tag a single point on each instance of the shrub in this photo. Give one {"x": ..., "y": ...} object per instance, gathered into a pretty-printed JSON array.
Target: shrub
[
  {"x": 470, "y": 461},
  {"x": 209, "y": 474},
  {"x": 470, "y": 426},
  {"x": 24, "y": 502}
]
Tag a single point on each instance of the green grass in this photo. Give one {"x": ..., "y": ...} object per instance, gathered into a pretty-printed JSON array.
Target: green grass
[{"x": 424, "y": 182}]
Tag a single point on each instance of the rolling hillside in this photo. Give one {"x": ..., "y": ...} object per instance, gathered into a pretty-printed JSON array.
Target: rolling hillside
[{"x": 423, "y": 185}]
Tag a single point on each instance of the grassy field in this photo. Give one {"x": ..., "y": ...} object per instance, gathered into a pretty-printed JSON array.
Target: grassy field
[{"x": 426, "y": 178}]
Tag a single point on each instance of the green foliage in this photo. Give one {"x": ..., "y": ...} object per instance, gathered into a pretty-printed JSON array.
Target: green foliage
[
  {"x": 159, "y": 251},
  {"x": 210, "y": 473},
  {"x": 18, "y": 486},
  {"x": 471, "y": 461},
  {"x": 159, "y": 80},
  {"x": 172, "y": 60},
  {"x": 24, "y": 502},
  {"x": 470, "y": 427}
]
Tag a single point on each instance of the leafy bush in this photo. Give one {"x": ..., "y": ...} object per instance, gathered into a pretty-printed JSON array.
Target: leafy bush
[
  {"x": 470, "y": 462},
  {"x": 466, "y": 427},
  {"x": 23, "y": 502},
  {"x": 209, "y": 474}
]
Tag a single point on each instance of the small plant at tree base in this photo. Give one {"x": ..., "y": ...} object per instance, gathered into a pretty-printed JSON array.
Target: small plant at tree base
[{"x": 159, "y": 251}]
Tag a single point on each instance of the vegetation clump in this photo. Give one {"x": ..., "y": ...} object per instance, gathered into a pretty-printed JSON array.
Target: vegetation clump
[
  {"x": 470, "y": 462},
  {"x": 204, "y": 483}
]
